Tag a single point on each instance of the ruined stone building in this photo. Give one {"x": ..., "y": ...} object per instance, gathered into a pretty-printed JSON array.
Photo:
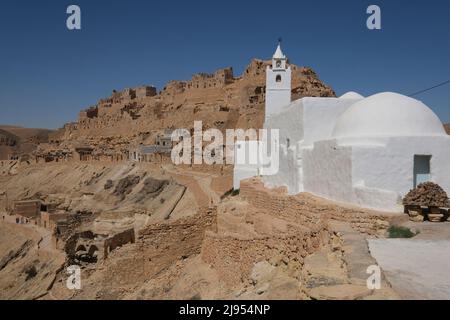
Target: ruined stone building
[
  {"x": 127, "y": 121},
  {"x": 88, "y": 247}
]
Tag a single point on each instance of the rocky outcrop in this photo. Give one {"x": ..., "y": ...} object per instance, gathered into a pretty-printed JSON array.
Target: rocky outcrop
[
  {"x": 447, "y": 128},
  {"x": 220, "y": 100}
]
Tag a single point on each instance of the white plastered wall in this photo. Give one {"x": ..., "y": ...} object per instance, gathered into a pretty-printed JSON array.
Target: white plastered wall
[
  {"x": 390, "y": 167},
  {"x": 327, "y": 170},
  {"x": 246, "y": 161},
  {"x": 278, "y": 94},
  {"x": 289, "y": 122},
  {"x": 373, "y": 172},
  {"x": 302, "y": 123}
]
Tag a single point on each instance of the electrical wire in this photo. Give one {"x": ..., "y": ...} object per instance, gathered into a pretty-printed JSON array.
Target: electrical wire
[{"x": 429, "y": 89}]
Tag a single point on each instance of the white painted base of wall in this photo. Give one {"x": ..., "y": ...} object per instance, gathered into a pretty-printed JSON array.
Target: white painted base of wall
[{"x": 241, "y": 173}]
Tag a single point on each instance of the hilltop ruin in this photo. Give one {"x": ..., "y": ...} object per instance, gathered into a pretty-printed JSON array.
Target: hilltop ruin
[{"x": 136, "y": 117}]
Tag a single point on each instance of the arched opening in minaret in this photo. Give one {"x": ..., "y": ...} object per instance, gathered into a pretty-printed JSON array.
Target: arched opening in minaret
[{"x": 278, "y": 78}]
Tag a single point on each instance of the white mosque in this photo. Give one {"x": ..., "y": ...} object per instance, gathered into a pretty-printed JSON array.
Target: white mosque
[{"x": 365, "y": 151}]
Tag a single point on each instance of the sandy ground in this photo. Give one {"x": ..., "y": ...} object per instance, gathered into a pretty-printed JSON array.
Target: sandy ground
[
  {"x": 416, "y": 269},
  {"x": 45, "y": 244}
]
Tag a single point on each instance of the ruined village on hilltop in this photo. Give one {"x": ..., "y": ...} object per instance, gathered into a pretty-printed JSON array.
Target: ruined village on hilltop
[{"x": 103, "y": 194}]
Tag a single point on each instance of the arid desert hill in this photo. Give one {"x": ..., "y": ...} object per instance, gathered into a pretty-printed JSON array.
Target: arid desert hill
[
  {"x": 137, "y": 115},
  {"x": 447, "y": 128},
  {"x": 16, "y": 140},
  {"x": 149, "y": 229}
]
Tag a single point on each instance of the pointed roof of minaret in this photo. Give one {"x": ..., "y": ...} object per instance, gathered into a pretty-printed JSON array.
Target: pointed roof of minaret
[{"x": 278, "y": 53}]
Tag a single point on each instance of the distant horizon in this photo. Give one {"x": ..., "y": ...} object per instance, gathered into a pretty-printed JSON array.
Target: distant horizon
[{"x": 50, "y": 73}]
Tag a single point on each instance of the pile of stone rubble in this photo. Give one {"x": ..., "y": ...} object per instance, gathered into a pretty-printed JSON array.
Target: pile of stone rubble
[{"x": 427, "y": 194}]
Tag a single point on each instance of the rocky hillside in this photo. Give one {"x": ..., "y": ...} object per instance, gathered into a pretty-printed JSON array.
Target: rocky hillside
[
  {"x": 447, "y": 128},
  {"x": 220, "y": 100},
  {"x": 18, "y": 140}
]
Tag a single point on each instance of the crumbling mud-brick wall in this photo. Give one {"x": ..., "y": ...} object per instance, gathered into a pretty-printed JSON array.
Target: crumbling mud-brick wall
[
  {"x": 370, "y": 223},
  {"x": 234, "y": 258},
  {"x": 145, "y": 91},
  {"x": 75, "y": 241},
  {"x": 218, "y": 79},
  {"x": 101, "y": 245},
  {"x": 310, "y": 210},
  {"x": 27, "y": 208},
  {"x": 279, "y": 203},
  {"x": 158, "y": 247},
  {"x": 234, "y": 255},
  {"x": 118, "y": 240},
  {"x": 164, "y": 244},
  {"x": 50, "y": 220}
]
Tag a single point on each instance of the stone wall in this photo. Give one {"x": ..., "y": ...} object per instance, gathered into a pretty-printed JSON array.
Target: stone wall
[
  {"x": 157, "y": 248},
  {"x": 310, "y": 209},
  {"x": 118, "y": 240},
  {"x": 218, "y": 79},
  {"x": 28, "y": 208},
  {"x": 89, "y": 243},
  {"x": 50, "y": 220},
  {"x": 277, "y": 201},
  {"x": 233, "y": 258},
  {"x": 370, "y": 223},
  {"x": 167, "y": 243},
  {"x": 268, "y": 228},
  {"x": 269, "y": 225},
  {"x": 145, "y": 91}
]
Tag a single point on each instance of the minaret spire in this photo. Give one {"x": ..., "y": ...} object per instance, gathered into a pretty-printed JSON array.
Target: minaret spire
[
  {"x": 279, "y": 53},
  {"x": 278, "y": 83}
]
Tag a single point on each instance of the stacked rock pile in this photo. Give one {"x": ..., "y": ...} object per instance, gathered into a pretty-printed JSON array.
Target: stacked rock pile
[{"x": 427, "y": 194}]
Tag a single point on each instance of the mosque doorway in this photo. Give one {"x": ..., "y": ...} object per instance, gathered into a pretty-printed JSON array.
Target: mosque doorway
[{"x": 422, "y": 172}]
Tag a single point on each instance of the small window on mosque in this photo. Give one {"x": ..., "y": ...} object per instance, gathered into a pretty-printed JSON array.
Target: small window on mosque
[{"x": 278, "y": 79}]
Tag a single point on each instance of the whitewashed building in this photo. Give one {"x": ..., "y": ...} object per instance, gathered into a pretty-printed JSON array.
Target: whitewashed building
[{"x": 365, "y": 151}]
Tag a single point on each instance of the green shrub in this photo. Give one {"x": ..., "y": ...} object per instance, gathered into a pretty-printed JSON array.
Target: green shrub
[{"x": 400, "y": 232}]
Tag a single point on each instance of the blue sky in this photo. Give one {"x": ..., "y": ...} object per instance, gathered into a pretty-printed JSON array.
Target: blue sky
[{"x": 48, "y": 73}]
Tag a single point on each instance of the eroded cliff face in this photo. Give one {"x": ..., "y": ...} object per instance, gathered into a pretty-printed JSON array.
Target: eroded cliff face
[{"x": 220, "y": 100}]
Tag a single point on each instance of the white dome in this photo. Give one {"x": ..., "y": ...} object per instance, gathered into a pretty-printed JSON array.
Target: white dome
[
  {"x": 388, "y": 114},
  {"x": 351, "y": 95}
]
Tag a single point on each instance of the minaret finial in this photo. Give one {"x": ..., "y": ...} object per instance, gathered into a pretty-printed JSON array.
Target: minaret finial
[{"x": 280, "y": 40}]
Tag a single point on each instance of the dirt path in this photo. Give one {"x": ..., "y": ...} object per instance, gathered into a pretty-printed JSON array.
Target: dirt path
[{"x": 199, "y": 184}]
